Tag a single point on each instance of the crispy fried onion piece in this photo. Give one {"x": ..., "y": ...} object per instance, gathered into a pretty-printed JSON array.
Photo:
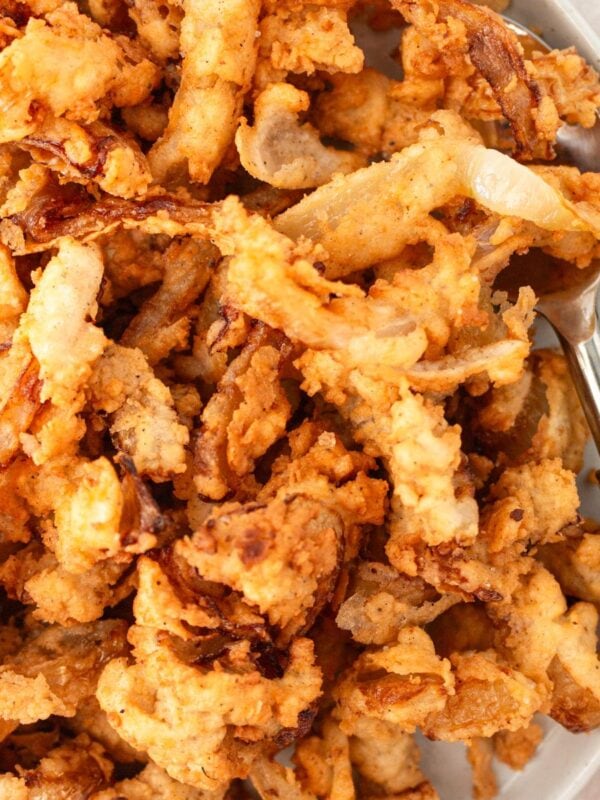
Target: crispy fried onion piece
[
  {"x": 87, "y": 516},
  {"x": 95, "y": 68},
  {"x": 283, "y": 556},
  {"x": 386, "y": 760},
  {"x": 480, "y": 753},
  {"x": 368, "y": 216},
  {"x": 571, "y": 82},
  {"x": 383, "y": 333},
  {"x": 575, "y": 563},
  {"x": 481, "y": 679},
  {"x": 19, "y": 380},
  {"x": 319, "y": 464},
  {"x": 382, "y": 601},
  {"x": 39, "y": 212},
  {"x": 158, "y": 26},
  {"x": 172, "y": 596},
  {"x": 271, "y": 779},
  {"x": 281, "y": 151},
  {"x": 322, "y": 763},
  {"x": 218, "y": 42},
  {"x": 57, "y": 668},
  {"x": 529, "y": 505},
  {"x": 33, "y": 575},
  {"x": 143, "y": 421},
  {"x": 562, "y": 75},
  {"x": 133, "y": 259},
  {"x": 553, "y": 646},
  {"x": 529, "y": 628},
  {"x": 539, "y": 416},
  {"x": 305, "y": 37},
  {"x": 153, "y": 783},
  {"x": 57, "y": 323},
  {"x": 431, "y": 502},
  {"x": 162, "y": 319},
  {"x": 20, "y": 387},
  {"x": 63, "y": 341},
  {"x": 220, "y": 328},
  {"x": 221, "y": 706},
  {"x": 401, "y": 684},
  {"x": 268, "y": 259},
  {"x": 76, "y": 768},
  {"x": 495, "y": 51},
  {"x": 575, "y": 672},
  {"x": 80, "y": 504},
  {"x": 94, "y": 153},
  {"x": 473, "y": 694},
  {"x": 244, "y": 417},
  {"x": 500, "y": 361},
  {"x": 517, "y": 748},
  {"x": 374, "y": 113},
  {"x": 284, "y": 550}
]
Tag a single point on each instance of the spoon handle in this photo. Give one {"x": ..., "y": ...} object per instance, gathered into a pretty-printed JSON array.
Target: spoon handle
[{"x": 583, "y": 359}]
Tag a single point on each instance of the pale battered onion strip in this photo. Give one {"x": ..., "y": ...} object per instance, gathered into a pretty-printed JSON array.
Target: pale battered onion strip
[
  {"x": 209, "y": 703},
  {"x": 502, "y": 360},
  {"x": 58, "y": 329},
  {"x": 495, "y": 51},
  {"x": 281, "y": 151},
  {"x": 274, "y": 281},
  {"x": 368, "y": 216},
  {"x": 218, "y": 42},
  {"x": 58, "y": 322}
]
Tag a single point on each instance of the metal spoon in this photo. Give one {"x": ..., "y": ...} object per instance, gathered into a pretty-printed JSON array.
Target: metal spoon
[
  {"x": 567, "y": 299},
  {"x": 567, "y": 296}
]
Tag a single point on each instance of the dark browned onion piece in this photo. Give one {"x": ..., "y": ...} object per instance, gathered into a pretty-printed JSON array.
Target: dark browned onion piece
[
  {"x": 141, "y": 514},
  {"x": 495, "y": 51},
  {"x": 71, "y": 211}
]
